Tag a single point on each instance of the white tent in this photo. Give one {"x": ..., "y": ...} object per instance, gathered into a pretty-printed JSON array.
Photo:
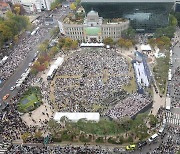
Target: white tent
[
  {"x": 92, "y": 45},
  {"x": 145, "y": 47},
  {"x": 55, "y": 65},
  {"x": 168, "y": 103},
  {"x": 75, "y": 116}
]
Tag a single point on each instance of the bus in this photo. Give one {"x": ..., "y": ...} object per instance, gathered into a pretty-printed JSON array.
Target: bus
[
  {"x": 3, "y": 61},
  {"x": 34, "y": 31}
]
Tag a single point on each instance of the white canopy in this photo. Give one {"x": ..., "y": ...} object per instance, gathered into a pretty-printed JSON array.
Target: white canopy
[
  {"x": 145, "y": 47},
  {"x": 75, "y": 116},
  {"x": 56, "y": 64},
  {"x": 168, "y": 103},
  {"x": 92, "y": 45}
]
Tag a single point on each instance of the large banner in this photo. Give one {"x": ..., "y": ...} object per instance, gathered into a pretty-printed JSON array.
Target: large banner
[{"x": 61, "y": 29}]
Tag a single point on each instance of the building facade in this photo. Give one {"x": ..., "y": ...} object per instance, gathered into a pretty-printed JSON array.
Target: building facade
[
  {"x": 144, "y": 15},
  {"x": 34, "y": 5},
  {"x": 94, "y": 28},
  {"x": 4, "y": 7}
]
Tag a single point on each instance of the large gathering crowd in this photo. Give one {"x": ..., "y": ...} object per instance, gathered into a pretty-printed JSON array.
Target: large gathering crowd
[
  {"x": 129, "y": 106},
  {"x": 90, "y": 76},
  {"x": 69, "y": 149},
  {"x": 175, "y": 101},
  {"x": 86, "y": 78},
  {"x": 19, "y": 52},
  {"x": 12, "y": 126},
  {"x": 171, "y": 144}
]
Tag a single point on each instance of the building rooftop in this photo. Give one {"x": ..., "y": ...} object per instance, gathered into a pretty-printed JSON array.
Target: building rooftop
[
  {"x": 114, "y": 21},
  {"x": 3, "y": 5},
  {"x": 92, "y": 31},
  {"x": 72, "y": 19},
  {"x": 92, "y": 13}
]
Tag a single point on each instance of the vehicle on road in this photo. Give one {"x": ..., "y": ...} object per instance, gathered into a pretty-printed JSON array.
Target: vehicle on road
[
  {"x": 153, "y": 137},
  {"x": 23, "y": 74},
  {"x": 141, "y": 144},
  {"x": 12, "y": 88},
  {"x": 17, "y": 81},
  {"x": 131, "y": 147},
  {"x": 30, "y": 64},
  {"x": 5, "y": 97}
]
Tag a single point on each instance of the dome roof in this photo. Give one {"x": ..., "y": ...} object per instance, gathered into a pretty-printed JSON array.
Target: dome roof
[{"x": 92, "y": 13}]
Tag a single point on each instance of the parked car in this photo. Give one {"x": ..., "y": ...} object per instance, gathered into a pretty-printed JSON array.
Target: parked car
[
  {"x": 5, "y": 97},
  {"x": 131, "y": 147},
  {"x": 153, "y": 138},
  {"x": 12, "y": 88},
  {"x": 141, "y": 144}
]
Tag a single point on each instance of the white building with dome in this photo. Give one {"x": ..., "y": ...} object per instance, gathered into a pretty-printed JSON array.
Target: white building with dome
[{"x": 93, "y": 28}]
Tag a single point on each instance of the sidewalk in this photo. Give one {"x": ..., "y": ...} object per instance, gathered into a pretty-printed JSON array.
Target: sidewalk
[{"x": 157, "y": 102}]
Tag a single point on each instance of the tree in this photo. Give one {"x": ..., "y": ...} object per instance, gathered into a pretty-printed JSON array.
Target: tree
[
  {"x": 18, "y": 9},
  {"x": 129, "y": 33},
  {"x": 172, "y": 20},
  {"x": 128, "y": 44},
  {"x": 152, "y": 120},
  {"x": 38, "y": 134},
  {"x": 61, "y": 42},
  {"x": 25, "y": 136},
  {"x": 177, "y": 15},
  {"x": 73, "y": 6},
  {"x": 43, "y": 46},
  {"x": 68, "y": 43},
  {"x": 5, "y": 32},
  {"x": 77, "y": 3},
  {"x": 167, "y": 31},
  {"x": 74, "y": 44},
  {"x": 108, "y": 41},
  {"x": 152, "y": 42},
  {"x": 121, "y": 42}
]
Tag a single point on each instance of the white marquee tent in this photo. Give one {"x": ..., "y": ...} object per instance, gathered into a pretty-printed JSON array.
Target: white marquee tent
[
  {"x": 145, "y": 47},
  {"x": 92, "y": 45},
  {"x": 75, "y": 116}
]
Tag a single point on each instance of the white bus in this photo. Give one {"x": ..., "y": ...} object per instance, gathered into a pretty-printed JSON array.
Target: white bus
[
  {"x": 34, "y": 31},
  {"x": 3, "y": 61}
]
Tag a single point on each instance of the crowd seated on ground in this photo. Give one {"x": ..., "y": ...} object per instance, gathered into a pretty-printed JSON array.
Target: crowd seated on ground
[
  {"x": 19, "y": 52},
  {"x": 90, "y": 77},
  {"x": 129, "y": 106},
  {"x": 175, "y": 99},
  {"x": 57, "y": 149}
]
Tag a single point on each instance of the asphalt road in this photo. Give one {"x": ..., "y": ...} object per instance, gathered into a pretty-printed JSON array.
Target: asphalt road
[{"x": 59, "y": 15}]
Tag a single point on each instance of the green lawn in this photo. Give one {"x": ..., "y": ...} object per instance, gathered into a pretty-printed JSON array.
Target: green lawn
[
  {"x": 30, "y": 100},
  {"x": 131, "y": 87}
]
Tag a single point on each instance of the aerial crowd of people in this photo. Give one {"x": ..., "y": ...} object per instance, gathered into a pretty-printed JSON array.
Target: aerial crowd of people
[
  {"x": 175, "y": 101},
  {"x": 20, "y": 52},
  {"x": 130, "y": 106},
  {"x": 86, "y": 78}
]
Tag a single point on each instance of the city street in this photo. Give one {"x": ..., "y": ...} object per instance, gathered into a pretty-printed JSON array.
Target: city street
[{"x": 59, "y": 15}]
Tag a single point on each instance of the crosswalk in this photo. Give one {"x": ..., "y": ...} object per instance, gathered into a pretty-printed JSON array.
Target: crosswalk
[
  {"x": 172, "y": 118},
  {"x": 4, "y": 147}
]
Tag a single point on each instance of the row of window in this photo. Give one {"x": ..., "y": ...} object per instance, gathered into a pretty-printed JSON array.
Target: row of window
[
  {"x": 74, "y": 33},
  {"x": 74, "y": 29}
]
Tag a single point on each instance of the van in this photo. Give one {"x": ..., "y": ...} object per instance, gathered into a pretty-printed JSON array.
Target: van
[
  {"x": 153, "y": 137},
  {"x": 161, "y": 129}
]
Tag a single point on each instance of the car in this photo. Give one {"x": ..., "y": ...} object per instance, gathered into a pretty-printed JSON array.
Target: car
[
  {"x": 26, "y": 69},
  {"x": 17, "y": 81},
  {"x": 12, "y": 88},
  {"x": 131, "y": 147},
  {"x": 30, "y": 64},
  {"x": 23, "y": 74},
  {"x": 141, "y": 144},
  {"x": 153, "y": 137},
  {"x": 5, "y": 97}
]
